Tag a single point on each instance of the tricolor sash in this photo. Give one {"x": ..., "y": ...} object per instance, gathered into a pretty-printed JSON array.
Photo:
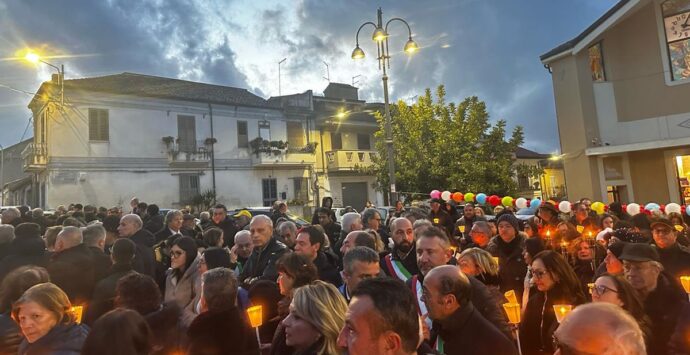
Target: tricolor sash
[
  {"x": 421, "y": 306},
  {"x": 438, "y": 346},
  {"x": 396, "y": 268}
]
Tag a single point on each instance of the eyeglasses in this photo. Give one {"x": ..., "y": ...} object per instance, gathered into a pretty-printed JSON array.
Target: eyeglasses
[
  {"x": 176, "y": 253},
  {"x": 627, "y": 266},
  {"x": 539, "y": 273},
  {"x": 601, "y": 289}
]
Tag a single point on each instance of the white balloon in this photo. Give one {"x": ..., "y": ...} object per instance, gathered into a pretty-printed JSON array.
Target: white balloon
[
  {"x": 633, "y": 209},
  {"x": 445, "y": 195},
  {"x": 564, "y": 206},
  {"x": 672, "y": 208},
  {"x": 521, "y": 202}
]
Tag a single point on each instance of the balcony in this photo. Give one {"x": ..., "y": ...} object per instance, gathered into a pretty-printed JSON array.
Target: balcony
[
  {"x": 35, "y": 157},
  {"x": 282, "y": 159},
  {"x": 189, "y": 156},
  {"x": 349, "y": 160}
]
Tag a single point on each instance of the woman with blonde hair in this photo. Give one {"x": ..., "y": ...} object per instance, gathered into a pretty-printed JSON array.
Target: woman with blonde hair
[
  {"x": 317, "y": 314},
  {"x": 480, "y": 264},
  {"x": 44, "y": 317}
]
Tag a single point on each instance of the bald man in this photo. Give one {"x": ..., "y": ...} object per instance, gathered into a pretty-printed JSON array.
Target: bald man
[
  {"x": 459, "y": 328},
  {"x": 71, "y": 267},
  {"x": 599, "y": 328},
  {"x": 131, "y": 226}
]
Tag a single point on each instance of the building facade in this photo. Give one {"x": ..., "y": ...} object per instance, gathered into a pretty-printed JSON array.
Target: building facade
[
  {"x": 621, "y": 93},
  {"x": 15, "y": 184}
]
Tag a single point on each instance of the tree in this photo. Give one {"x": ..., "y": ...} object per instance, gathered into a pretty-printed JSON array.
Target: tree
[{"x": 441, "y": 145}]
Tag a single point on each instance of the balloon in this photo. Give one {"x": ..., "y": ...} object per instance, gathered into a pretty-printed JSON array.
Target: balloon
[
  {"x": 687, "y": 210},
  {"x": 445, "y": 195},
  {"x": 652, "y": 206},
  {"x": 435, "y": 194},
  {"x": 535, "y": 203},
  {"x": 507, "y": 201},
  {"x": 521, "y": 202},
  {"x": 564, "y": 206},
  {"x": 469, "y": 197},
  {"x": 633, "y": 209},
  {"x": 598, "y": 207},
  {"x": 457, "y": 196},
  {"x": 481, "y": 198},
  {"x": 494, "y": 200}
]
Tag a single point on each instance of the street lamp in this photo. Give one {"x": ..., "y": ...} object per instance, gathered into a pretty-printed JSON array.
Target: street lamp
[
  {"x": 380, "y": 36},
  {"x": 35, "y": 58}
]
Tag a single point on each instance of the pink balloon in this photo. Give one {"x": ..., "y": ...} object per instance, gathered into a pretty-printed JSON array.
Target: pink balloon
[{"x": 435, "y": 194}]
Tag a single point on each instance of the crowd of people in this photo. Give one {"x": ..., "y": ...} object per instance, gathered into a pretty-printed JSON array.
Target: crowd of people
[{"x": 434, "y": 280}]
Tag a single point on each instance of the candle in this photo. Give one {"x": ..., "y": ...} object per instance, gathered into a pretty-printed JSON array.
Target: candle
[
  {"x": 495, "y": 259},
  {"x": 513, "y": 312},
  {"x": 561, "y": 311},
  {"x": 510, "y": 296},
  {"x": 255, "y": 316},
  {"x": 77, "y": 311},
  {"x": 590, "y": 286},
  {"x": 461, "y": 229},
  {"x": 548, "y": 232},
  {"x": 685, "y": 280}
]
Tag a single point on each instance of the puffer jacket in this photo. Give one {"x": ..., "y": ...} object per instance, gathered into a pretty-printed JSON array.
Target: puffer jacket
[{"x": 511, "y": 265}]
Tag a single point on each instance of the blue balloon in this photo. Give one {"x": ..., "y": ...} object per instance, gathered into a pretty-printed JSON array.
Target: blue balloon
[
  {"x": 535, "y": 203},
  {"x": 652, "y": 206},
  {"x": 481, "y": 198},
  {"x": 687, "y": 210}
]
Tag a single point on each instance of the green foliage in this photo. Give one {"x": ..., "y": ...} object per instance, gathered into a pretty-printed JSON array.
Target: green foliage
[
  {"x": 441, "y": 145},
  {"x": 204, "y": 200}
]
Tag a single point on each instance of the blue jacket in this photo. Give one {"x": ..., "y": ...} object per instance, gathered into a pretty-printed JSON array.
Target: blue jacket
[{"x": 63, "y": 339}]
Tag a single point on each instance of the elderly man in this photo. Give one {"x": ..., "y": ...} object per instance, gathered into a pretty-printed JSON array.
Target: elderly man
[
  {"x": 71, "y": 267},
  {"x": 220, "y": 219},
  {"x": 287, "y": 232},
  {"x": 267, "y": 249},
  {"x": 131, "y": 227},
  {"x": 357, "y": 239},
  {"x": 359, "y": 263},
  {"x": 351, "y": 221},
  {"x": 599, "y": 328},
  {"x": 94, "y": 238},
  {"x": 464, "y": 225},
  {"x": 480, "y": 234},
  {"x": 310, "y": 243},
  {"x": 173, "y": 225},
  {"x": 458, "y": 327},
  {"x": 662, "y": 298},
  {"x": 241, "y": 251},
  {"x": 376, "y": 325},
  {"x": 371, "y": 219},
  {"x": 674, "y": 257},
  {"x": 401, "y": 262},
  {"x": 11, "y": 216}
]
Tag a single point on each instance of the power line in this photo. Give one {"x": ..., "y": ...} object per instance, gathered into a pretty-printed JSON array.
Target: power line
[
  {"x": 27, "y": 127},
  {"x": 17, "y": 90}
]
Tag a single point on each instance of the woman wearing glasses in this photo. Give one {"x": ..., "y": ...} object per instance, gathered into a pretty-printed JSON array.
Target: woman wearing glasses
[
  {"x": 556, "y": 283},
  {"x": 182, "y": 282},
  {"x": 617, "y": 290}
]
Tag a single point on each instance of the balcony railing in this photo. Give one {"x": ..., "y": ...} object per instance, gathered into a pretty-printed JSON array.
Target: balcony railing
[
  {"x": 284, "y": 158},
  {"x": 349, "y": 160},
  {"x": 35, "y": 157},
  {"x": 196, "y": 155}
]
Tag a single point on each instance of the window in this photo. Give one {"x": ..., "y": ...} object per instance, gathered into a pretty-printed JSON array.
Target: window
[
  {"x": 242, "y": 135},
  {"x": 189, "y": 187},
  {"x": 269, "y": 189},
  {"x": 265, "y": 130},
  {"x": 301, "y": 185},
  {"x": 596, "y": 63},
  {"x": 336, "y": 141},
  {"x": 99, "y": 129},
  {"x": 363, "y": 141},
  {"x": 676, "y": 16},
  {"x": 523, "y": 182},
  {"x": 186, "y": 133},
  {"x": 295, "y": 134}
]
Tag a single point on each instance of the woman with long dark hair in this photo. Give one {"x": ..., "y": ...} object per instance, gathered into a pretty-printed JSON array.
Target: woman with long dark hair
[
  {"x": 556, "y": 283},
  {"x": 182, "y": 280},
  {"x": 617, "y": 290},
  {"x": 120, "y": 331}
]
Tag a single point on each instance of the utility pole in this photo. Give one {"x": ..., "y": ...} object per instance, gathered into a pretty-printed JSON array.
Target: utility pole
[
  {"x": 279, "y": 88},
  {"x": 328, "y": 72}
]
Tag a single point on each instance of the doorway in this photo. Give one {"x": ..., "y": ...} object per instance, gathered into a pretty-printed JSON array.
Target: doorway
[{"x": 354, "y": 194}]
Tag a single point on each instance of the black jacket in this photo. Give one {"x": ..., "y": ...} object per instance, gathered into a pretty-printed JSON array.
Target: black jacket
[
  {"x": 680, "y": 342},
  {"x": 10, "y": 335},
  {"x": 163, "y": 234},
  {"x": 63, "y": 339},
  {"x": 511, "y": 265},
  {"x": 465, "y": 225},
  {"x": 24, "y": 251},
  {"x": 261, "y": 265},
  {"x": 676, "y": 261},
  {"x": 442, "y": 220},
  {"x": 165, "y": 329},
  {"x": 144, "y": 261},
  {"x": 467, "y": 332},
  {"x": 237, "y": 336},
  {"x": 662, "y": 306},
  {"x": 229, "y": 228},
  {"x": 73, "y": 271},
  {"x": 154, "y": 224},
  {"x": 332, "y": 232},
  {"x": 101, "y": 262},
  {"x": 327, "y": 265},
  {"x": 104, "y": 293},
  {"x": 409, "y": 262}
]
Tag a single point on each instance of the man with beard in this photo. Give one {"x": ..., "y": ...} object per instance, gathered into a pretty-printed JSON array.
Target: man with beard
[
  {"x": 401, "y": 263},
  {"x": 463, "y": 226}
]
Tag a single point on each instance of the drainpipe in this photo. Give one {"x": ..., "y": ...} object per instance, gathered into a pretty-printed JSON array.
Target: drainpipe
[{"x": 213, "y": 156}]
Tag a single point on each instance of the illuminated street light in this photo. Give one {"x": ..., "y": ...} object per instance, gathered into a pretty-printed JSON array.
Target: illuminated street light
[
  {"x": 380, "y": 36},
  {"x": 33, "y": 57}
]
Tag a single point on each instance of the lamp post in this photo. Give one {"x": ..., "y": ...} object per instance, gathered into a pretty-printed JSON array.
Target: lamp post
[
  {"x": 380, "y": 36},
  {"x": 35, "y": 58},
  {"x": 2, "y": 175}
]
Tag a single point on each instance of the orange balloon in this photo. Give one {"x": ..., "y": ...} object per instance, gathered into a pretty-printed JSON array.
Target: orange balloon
[{"x": 457, "y": 196}]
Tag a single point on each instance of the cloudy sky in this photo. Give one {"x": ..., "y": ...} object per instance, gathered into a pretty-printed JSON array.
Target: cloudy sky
[{"x": 488, "y": 48}]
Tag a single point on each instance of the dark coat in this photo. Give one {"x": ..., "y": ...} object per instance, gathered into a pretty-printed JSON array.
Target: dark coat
[
  {"x": 63, "y": 339},
  {"x": 676, "y": 261},
  {"x": 662, "y": 306},
  {"x": 24, "y": 251},
  {"x": 409, "y": 262},
  {"x": 442, "y": 220},
  {"x": 237, "y": 336},
  {"x": 229, "y": 228},
  {"x": 101, "y": 262},
  {"x": 465, "y": 224},
  {"x": 467, "y": 332},
  {"x": 327, "y": 266},
  {"x": 104, "y": 293},
  {"x": 154, "y": 224},
  {"x": 10, "y": 335},
  {"x": 680, "y": 342},
  {"x": 493, "y": 302},
  {"x": 144, "y": 261},
  {"x": 332, "y": 232},
  {"x": 163, "y": 234},
  {"x": 511, "y": 265},
  {"x": 165, "y": 329},
  {"x": 73, "y": 271},
  {"x": 261, "y": 265}
]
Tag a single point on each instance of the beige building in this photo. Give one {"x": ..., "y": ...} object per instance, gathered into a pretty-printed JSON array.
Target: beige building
[{"x": 622, "y": 92}]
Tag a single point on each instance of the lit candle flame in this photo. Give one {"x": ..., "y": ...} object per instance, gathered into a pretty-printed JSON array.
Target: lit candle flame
[
  {"x": 255, "y": 316},
  {"x": 561, "y": 311}
]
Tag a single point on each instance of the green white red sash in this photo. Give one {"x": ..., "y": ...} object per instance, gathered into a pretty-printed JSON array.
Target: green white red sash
[
  {"x": 421, "y": 306},
  {"x": 438, "y": 346},
  {"x": 396, "y": 268}
]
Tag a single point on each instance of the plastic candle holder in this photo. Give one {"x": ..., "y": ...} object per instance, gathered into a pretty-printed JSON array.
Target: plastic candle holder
[
  {"x": 255, "y": 316},
  {"x": 561, "y": 311},
  {"x": 513, "y": 312}
]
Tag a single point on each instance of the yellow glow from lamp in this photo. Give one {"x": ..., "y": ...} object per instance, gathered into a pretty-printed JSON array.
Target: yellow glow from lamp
[
  {"x": 32, "y": 57},
  {"x": 357, "y": 53},
  {"x": 411, "y": 47},
  {"x": 379, "y": 35}
]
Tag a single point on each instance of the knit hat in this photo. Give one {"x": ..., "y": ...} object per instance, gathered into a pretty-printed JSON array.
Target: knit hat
[
  {"x": 616, "y": 248},
  {"x": 630, "y": 236},
  {"x": 27, "y": 230},
  {"x": 510, "y": 218},
  {"x": 216, "y": 257}
]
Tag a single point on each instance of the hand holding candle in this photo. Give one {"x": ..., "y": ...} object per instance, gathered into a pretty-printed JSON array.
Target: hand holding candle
[
  {"x": 685, "y": 281},
  {"x": 513, "y": 312},
  {"x": 561, "y": 311},
  {"x": 77, "y": 311}
]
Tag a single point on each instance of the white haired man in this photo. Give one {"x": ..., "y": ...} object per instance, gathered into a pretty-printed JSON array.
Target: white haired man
[{"x": 267, "y": 249}]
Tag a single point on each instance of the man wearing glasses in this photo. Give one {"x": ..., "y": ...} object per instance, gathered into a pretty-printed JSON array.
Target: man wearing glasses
[
  {"x": 662, "y": 297},
  {"x": 674, "y": 257}
]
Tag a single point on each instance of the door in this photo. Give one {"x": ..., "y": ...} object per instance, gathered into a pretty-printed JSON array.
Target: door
[
  {"x": 269, "y": 191},
  {"x": 354, "y": 194},
  {"x": 186, "y": 133}
]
